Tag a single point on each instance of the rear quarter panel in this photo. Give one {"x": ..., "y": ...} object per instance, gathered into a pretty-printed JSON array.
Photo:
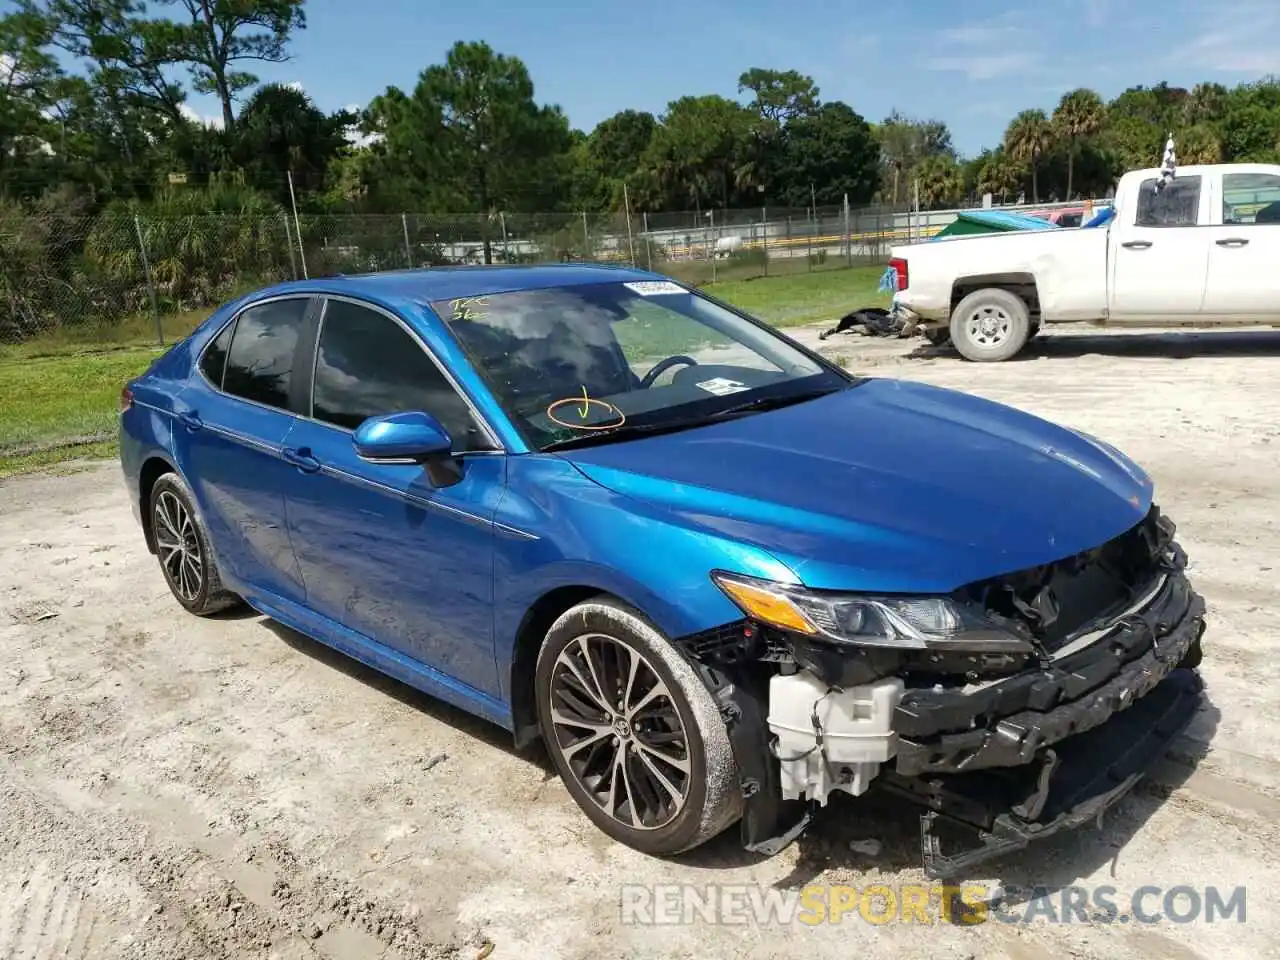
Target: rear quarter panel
[{"x": 146, "y": 428}]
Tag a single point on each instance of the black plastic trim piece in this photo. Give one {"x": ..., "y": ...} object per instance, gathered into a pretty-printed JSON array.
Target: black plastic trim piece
[
  {"x": 1169, "y": 619},
  {"x": 1075, "y": 784}
]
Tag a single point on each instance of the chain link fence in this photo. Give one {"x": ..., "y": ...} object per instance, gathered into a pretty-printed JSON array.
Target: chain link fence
[{"x": 125, "y": 278}]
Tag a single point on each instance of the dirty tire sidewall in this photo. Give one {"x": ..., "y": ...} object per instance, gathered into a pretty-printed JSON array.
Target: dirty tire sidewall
[
  {"x": 213, "y": 596},
  {"x": 1013, "y": 306},
  {"x": 714, "y": 801}
]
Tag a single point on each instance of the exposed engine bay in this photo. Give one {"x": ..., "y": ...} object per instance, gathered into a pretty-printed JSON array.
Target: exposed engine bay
[{"x": 1086, "y": 677}]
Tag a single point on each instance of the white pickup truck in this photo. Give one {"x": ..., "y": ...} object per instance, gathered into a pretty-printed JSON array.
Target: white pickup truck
[{"x": 1203, "y": 251}]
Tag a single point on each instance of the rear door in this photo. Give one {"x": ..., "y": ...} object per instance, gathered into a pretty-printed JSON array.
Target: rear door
[
  {"x": 232, "y": 423},
  {"x": 1159, "y": 253},
  {"x": 1244, "y": 249}
]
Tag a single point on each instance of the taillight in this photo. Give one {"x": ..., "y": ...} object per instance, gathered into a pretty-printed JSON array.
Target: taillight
[
  {"x": 899, "y": 266},
  {"x": 126, "y": 398}
]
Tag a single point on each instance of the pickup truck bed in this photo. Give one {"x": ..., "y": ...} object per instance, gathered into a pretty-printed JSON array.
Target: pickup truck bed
[{"x": 1201, "y": 251}]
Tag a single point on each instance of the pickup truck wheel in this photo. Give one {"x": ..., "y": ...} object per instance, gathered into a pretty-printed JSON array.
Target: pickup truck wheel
[{"x": 990, "y": 325}]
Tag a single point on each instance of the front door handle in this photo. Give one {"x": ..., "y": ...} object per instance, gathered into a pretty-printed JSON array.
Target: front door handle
[
  {"x": 1136, "y": 244},
  {"x": 302, "y": 459},
  {"x": 190, "y": 420},
  {"x": 1232, "y": 242}
]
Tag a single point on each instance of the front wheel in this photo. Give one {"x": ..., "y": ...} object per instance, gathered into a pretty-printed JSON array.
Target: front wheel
[
  {"x": 633, "y": 732},
  {"x": 990, "y": 325}
]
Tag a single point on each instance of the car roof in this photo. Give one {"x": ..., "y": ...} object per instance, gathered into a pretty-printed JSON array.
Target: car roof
[{"x": 421, "y": 286}]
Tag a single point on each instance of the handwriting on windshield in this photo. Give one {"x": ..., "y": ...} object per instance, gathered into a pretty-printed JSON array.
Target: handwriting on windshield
[
  {"x": 585, "y": 405},
  {"x": 470, "y": 308}
]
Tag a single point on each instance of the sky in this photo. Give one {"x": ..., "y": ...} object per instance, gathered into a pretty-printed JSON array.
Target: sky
[{"x": 970, "y": 64}]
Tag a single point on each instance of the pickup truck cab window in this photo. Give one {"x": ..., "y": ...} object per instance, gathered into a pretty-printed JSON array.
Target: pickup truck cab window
[
  {"x": 1251, "y": 198},
  {"x": 1177, "y": 205}
]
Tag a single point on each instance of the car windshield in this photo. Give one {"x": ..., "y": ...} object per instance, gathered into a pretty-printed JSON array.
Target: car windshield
[{"x": 605, "y": 361}]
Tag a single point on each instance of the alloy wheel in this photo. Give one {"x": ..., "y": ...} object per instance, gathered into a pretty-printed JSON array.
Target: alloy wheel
[
  {"x": 619, "y": 732},
  {"x": 179, "y": 546}
]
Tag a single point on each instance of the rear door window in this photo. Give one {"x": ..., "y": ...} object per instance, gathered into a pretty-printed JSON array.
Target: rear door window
[
  {"x": 259, "y": 363},
  {"x": 1176, "y": 205}
]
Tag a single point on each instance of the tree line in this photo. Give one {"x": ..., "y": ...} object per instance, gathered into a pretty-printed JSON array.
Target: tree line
[{"x": 93, "y": 111}]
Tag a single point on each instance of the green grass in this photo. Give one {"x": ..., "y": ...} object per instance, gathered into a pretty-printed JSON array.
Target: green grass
[
  {"x": 799, "y": 298},
  {"x": 52, "y": 408},
  {"x": 131, "y": 334},
  {"x": 58, "y": 393}
]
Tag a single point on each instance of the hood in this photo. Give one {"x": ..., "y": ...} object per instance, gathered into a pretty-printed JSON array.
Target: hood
[{"x": 886, "y": 486}]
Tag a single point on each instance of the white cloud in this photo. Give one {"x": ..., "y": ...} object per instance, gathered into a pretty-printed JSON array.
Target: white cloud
[
  {"x": 295, "y": 85},
  {"x": 203, "y": 120},
  {"x": 999, "y": 46},
  {"x": 979, "y": 67}
]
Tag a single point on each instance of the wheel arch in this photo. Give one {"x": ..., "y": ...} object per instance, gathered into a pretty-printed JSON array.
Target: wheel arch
[
  {"x": 1022, "y": 285},
  {"x": 533, "y": 628},
  {"x": 153, "y": 468}
]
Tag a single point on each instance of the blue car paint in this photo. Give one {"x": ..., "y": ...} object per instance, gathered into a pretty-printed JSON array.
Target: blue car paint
[
  {"x": 884, "y": 486},
  {"x": 388, "y": 555},
  {"x": 890, "y": 487}
]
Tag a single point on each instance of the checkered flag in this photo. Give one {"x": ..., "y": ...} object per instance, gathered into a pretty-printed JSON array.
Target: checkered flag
[{"x": 1168, "y": 165}]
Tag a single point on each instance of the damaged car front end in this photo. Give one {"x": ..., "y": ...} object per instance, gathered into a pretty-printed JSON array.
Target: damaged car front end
[{"x": 1009, "y": 709}]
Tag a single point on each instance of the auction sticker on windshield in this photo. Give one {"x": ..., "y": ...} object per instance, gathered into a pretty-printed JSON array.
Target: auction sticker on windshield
[
  {"x": 722, "y": 386},
  {"x": 655, "y": 288}
]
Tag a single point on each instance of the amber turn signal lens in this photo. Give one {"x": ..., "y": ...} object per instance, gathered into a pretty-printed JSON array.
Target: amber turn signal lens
[{"x": 766, "y": 606}]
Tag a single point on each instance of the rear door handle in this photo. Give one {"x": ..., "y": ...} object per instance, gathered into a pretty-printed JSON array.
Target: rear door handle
[
  {"x": 1136, "y": 244},
  {"x": 1232, "y": 242},
  {"x": 190, "y": 420},
  {"x": 302, "y": 459}
]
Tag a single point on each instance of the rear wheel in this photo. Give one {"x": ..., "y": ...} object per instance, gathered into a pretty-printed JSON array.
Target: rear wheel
[
  {"x": 990, "y": 325},
  {"x": 633, "y": 732},
  {"x": 182, "y": 547}
]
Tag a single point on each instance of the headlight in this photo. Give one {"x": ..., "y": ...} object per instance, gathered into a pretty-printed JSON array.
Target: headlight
[{"x": 900, "y": 622}]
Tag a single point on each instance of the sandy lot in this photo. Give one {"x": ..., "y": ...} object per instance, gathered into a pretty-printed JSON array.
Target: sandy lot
[{"x": 171, "y": 787}]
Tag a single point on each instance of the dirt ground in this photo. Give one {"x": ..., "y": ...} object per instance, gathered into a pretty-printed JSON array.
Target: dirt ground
[{"x": 179, "y": 788}]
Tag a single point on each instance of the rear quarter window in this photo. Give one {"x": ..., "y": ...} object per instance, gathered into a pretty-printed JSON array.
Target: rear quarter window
[{"x": 213, "y": 362}]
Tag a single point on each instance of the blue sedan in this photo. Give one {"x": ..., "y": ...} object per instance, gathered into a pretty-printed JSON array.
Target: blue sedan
[{"x": 717, "y": 576}]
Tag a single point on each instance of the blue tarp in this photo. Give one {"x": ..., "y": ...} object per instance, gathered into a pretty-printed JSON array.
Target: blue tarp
[{"x": 1006, "y": 220}]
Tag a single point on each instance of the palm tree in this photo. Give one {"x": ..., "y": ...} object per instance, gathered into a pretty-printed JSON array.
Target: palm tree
[
  {"x": 1206, "y": 102},
  {"x": 941, "y": 182},
  {"x": 1079, "y": 116},
  {"x": 1199, "y": 145},
  {"x": 1028, "y": 138},
  {"x": 1001, "y": 174}
]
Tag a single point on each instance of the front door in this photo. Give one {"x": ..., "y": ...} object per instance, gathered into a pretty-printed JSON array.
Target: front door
[
  {"x": 1244, "y": 250},
  {"x": 233, "y": 419},
  {"x": 1159, "y": 255},
  {"x": 383, "y": 550}
]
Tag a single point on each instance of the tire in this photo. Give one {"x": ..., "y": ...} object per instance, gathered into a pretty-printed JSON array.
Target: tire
[
  {"x": 697, "y": 802},
  {"x": 182, "y": 547},
  {"x": 990, "y": 325}
]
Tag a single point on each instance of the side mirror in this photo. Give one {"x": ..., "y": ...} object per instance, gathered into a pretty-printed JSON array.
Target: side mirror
[{"x": 412, "y": 435}]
